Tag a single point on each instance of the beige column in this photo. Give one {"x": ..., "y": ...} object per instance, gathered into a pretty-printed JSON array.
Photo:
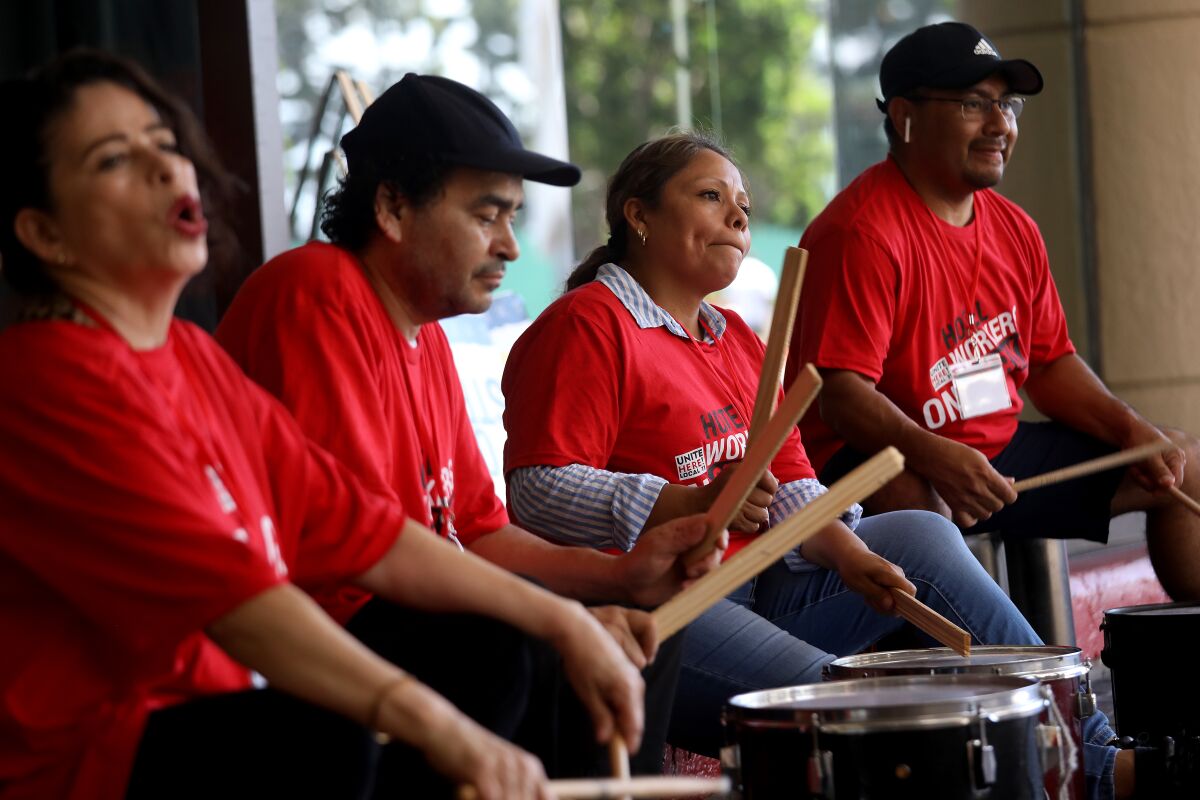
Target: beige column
[{"x": 1125, "y": 260}]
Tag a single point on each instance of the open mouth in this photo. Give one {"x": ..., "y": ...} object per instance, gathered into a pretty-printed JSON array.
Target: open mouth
[{"x": 187, "y": 216}]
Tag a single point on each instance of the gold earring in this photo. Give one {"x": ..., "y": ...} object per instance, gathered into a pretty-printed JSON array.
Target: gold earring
[{"x": 642, "y": 236}]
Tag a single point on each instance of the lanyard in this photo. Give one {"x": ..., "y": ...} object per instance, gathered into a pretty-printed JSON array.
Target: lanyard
[{"x": 973, "y": 290}]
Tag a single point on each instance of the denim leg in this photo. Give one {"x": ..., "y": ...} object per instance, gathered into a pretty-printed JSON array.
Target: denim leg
[
  {"x": 1099, "y": 759},
  {"x": 819, "y": 608},
  {"x": 728, "y": 651}
]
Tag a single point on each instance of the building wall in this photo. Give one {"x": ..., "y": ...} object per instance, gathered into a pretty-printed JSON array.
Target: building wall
[{"x": 1108, "y": 164}]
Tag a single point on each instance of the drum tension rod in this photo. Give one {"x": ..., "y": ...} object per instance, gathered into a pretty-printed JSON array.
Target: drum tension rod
[
  {"x": 820, "y": 765},
  {"x": 981, "y": 757}
]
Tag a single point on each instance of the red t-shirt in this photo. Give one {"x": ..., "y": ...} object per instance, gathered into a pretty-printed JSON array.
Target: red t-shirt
[
  {"x": 886, "y": 295},
  {"x": 586, "y": 385},
  {"x": 310, "y": 329},
  {"x": 143, "y": 496}
]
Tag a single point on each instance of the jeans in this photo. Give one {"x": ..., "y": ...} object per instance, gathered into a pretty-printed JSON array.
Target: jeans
[{"x": 783, "y": 627}]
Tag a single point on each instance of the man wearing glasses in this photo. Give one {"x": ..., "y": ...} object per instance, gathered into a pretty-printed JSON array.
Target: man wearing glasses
[{"x": 929, "y": 302}]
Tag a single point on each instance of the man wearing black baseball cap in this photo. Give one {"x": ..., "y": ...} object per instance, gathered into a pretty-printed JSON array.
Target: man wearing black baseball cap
[
  {"x": 929, "y": 302},
  {"x": 345, "y": 334}
]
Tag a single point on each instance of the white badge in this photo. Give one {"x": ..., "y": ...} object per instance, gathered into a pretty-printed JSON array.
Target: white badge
[{"x": 981, "y": 386}]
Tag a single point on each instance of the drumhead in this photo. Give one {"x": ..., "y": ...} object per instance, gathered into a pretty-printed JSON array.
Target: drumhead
[
  {"x": 893, "y": 703},
  {"x": 1156, "y": 610},
  {"x": 1044, "y": 662}
]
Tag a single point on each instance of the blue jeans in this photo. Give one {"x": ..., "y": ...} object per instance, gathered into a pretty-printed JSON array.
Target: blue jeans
[{"x": 783, "y": 627}]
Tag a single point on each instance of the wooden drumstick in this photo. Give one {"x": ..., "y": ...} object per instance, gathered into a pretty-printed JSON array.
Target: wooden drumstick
[
  {"x": 779, "y": 338},
  {"x": 758, "y": 458},
  {"x": 1191, "y": 504},
  {"x": 764, "y": 551},
  {"x": 932, "y": 623},
  {"x": 618, "y": 757},
  {"x": 610, "y": 788},
  {"x": 1119, "y": 459}
]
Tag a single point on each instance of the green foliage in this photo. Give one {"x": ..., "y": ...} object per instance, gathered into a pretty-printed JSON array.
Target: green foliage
[{"x": 775, "y": 103}]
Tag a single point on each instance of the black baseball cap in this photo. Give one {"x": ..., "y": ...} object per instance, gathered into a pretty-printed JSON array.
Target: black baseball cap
[
  {"x": 434, "y": 116},
  {"x": 950, "y": 55}
]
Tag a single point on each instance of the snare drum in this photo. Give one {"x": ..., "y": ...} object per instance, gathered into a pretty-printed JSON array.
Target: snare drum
[
  {"x": 947, "y": 737},
  {"x": 1062, "y": 669},
  {"x": 1145, "y": 702}
]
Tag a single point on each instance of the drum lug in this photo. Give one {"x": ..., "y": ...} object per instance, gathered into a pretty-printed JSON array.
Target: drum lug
[
  {"x": 820, "y": 774},
  {"x": 981, "y": 759},
  {"x": 1087, "y": 698},
  {"x": 820, "y": 765},
  {"x": 1087, "y": 704}
]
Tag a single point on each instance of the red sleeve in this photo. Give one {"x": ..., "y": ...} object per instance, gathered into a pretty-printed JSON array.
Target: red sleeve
[
  {"x": 304, "y": 349},
  {"x": 1050, "y": 340},
  {"x": 847, "y": 305},
  {"x": 562, "y": 391},
  {"x": 104, "y": 502}
]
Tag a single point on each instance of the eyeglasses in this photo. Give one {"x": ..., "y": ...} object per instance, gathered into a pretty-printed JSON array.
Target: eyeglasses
[{"x": 976, "y": 108}]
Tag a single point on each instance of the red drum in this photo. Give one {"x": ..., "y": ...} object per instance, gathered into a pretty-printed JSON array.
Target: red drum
[
  {"x": 1062, "y": 669},
  {"x": 911, "y": 737}
]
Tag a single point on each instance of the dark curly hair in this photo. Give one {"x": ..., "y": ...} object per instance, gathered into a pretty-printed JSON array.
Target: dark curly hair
[
  {"x": 38, "y": 101},
  {"x": 348, "y": 217},
  {"x": 641, "y": 175}
]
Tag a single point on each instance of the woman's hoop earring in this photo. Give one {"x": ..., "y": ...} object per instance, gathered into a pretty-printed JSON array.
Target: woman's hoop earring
[
  {"x": 907, "y": 130},
  {"x": 642, "y": 236}
]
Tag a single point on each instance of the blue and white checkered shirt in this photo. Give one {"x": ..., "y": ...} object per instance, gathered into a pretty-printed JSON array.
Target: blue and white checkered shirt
[{"x": 591, "y": 507}]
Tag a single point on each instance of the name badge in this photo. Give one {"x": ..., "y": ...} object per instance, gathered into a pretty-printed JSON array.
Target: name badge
[{"x": 981, "y": 386}]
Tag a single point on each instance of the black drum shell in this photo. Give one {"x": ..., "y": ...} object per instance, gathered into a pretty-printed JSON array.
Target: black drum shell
[
  {"x": 1147, "y": 706},
  {"x": 774, "y": 756},
  {"x": 1061, "y": 669}
]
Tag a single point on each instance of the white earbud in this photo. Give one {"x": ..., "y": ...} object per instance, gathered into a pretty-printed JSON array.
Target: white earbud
[{"x": 907, "y": 130}]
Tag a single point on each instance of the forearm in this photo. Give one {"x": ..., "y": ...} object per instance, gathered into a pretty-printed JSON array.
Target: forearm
[
  {"x": 283, "y": 635},
  {"x": 426, "y": 572},
  {"x": 582, "y": 573},
  {"x": 675, "y": 501},
  {"x": 1067, "y": 391},
  {"x": 583, "y": 506},
  {"x": 829, "y": 547},
  {"x": 868, "y": 421}
]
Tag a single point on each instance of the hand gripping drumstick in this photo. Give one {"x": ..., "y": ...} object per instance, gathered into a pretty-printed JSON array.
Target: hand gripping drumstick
[
  {"x": 1119, "y": 459},
  {"x": 768, "y": 548},
  {"x": 621, "y": 786},
  {"x": 780, "y": 337},
  {"x": 799, "y": 397}
]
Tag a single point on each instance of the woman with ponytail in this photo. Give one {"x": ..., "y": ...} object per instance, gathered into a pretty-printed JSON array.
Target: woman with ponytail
[{"x": 628, "y": 402}]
